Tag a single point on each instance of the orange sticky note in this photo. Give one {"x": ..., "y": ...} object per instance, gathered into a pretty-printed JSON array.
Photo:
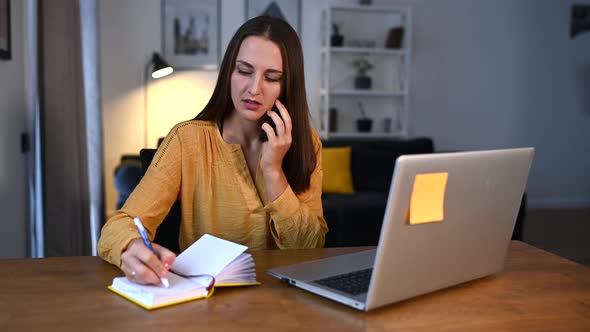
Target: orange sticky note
[{"x": 428, "y": 198}]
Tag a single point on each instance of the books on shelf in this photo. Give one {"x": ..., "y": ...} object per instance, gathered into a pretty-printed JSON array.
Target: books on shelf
[{"x": 208, "y": 263}]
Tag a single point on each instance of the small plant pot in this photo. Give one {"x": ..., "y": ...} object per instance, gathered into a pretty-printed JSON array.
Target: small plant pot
[
  {"x": 364, "y": 125},
  {"x": 337, "y": 40},
  {"x": 363, "y": 82}
]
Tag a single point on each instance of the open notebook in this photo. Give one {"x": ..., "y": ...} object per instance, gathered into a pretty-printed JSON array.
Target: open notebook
[{"x": 210, "y": 262}]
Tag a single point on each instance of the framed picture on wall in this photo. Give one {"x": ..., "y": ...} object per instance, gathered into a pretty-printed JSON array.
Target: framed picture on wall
[
  {"x": 191, "y": 32},
  {"x": 289, "y": 10},
  {"x": 5, "y": 52}
]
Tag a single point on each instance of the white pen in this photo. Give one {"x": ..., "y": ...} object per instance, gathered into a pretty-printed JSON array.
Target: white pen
[{"x": 146, "y": 241}]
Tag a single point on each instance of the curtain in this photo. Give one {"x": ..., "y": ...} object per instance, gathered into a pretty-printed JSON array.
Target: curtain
[{"x": 70, "y": 126}]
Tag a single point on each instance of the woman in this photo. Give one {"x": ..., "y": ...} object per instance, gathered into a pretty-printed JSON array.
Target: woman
[{"x": 232, "y": 183}]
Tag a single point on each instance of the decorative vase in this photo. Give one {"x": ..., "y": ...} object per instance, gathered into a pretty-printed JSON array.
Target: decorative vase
[
  {"x": 395, "y": 38},
  {"x": 387, "y": 125},
  {"x": 333, "y": 119},
  {"x": 364, "y": 125},
  {"x": 362, "y": 82}
]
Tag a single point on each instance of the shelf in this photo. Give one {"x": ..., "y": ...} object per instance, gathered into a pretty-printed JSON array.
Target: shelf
[
  {"x": 369, "y": 8},
  {"x": 368, "y": 93},
  {"x": 389, "y": 98},
  {"x": 356, "y": 134},
  {"x": 363, "y": 50}
]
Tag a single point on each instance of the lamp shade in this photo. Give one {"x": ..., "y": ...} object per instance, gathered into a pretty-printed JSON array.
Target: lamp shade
[{"x": 160, "y": 67}]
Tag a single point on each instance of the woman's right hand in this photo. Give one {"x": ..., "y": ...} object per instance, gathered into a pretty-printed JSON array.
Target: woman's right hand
[{"x": 142, "y": 266}]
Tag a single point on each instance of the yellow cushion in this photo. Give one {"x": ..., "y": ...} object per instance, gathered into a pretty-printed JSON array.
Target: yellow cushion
[{"x": 337, "y": 174}]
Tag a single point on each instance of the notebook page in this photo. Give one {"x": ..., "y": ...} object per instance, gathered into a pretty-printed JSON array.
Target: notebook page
[
  {"x": 151, "y": 296},
  {"x": 241, "y": 270},
  {"x": 178, "y": 285},
  {"x": 209, "y": 255}
]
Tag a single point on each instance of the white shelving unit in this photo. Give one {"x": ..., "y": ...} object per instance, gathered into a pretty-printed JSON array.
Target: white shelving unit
[{"x": 387, "y": 100}]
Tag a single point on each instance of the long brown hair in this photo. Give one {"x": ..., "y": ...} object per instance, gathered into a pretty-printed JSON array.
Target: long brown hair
[{"x": 300, "y": 160}]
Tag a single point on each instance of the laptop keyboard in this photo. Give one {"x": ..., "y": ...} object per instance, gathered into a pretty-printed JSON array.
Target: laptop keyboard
[{"x": 353, "y": 283}]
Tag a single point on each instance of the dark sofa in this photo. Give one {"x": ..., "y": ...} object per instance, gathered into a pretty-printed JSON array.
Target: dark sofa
[
  {"x": 127, "y": 175},
  {"x": 355, "y": 219}
]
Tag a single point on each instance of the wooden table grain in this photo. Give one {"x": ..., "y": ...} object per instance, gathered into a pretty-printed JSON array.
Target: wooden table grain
[{"x": 537, "y": 291}]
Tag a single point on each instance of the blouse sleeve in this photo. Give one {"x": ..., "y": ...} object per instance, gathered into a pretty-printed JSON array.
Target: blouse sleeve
[
  {"x": 297, "y": 221},
  {"x": 151, "y": 201}
]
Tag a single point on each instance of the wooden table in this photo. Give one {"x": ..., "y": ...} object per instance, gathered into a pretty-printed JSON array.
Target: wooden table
[{"x": 537, "y": 291}]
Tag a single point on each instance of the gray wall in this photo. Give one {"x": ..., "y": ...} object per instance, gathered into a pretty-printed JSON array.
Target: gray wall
[
  {"x": 13, "y": 115},
  {"x": 503, "y": 73}
]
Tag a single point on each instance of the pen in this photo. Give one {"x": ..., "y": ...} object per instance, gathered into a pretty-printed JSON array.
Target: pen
[{"x": 148, "y": 244}]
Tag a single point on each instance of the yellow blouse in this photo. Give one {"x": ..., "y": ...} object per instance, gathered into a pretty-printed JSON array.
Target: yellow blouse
[{"x": 217, "y": 195}]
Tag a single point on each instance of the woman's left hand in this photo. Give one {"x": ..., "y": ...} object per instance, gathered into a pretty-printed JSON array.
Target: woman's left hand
[{"x": 275, "y": 149}]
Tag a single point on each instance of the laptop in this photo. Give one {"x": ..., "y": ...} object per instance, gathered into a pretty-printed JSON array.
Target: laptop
[{"x": 478, "y": 198}]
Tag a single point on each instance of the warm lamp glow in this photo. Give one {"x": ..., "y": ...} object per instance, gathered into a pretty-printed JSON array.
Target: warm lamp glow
[{"x": 158, "y": 67}]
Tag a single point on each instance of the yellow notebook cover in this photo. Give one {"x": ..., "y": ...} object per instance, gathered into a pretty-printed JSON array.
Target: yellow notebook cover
[
  {"x": 194, "y": 275},
  {"x": 181, "y": 298}
]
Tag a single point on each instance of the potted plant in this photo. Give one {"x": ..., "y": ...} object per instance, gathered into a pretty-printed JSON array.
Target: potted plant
[
  {"x": 364, "y": 123},
  {"x": 362, "y": 80}
]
